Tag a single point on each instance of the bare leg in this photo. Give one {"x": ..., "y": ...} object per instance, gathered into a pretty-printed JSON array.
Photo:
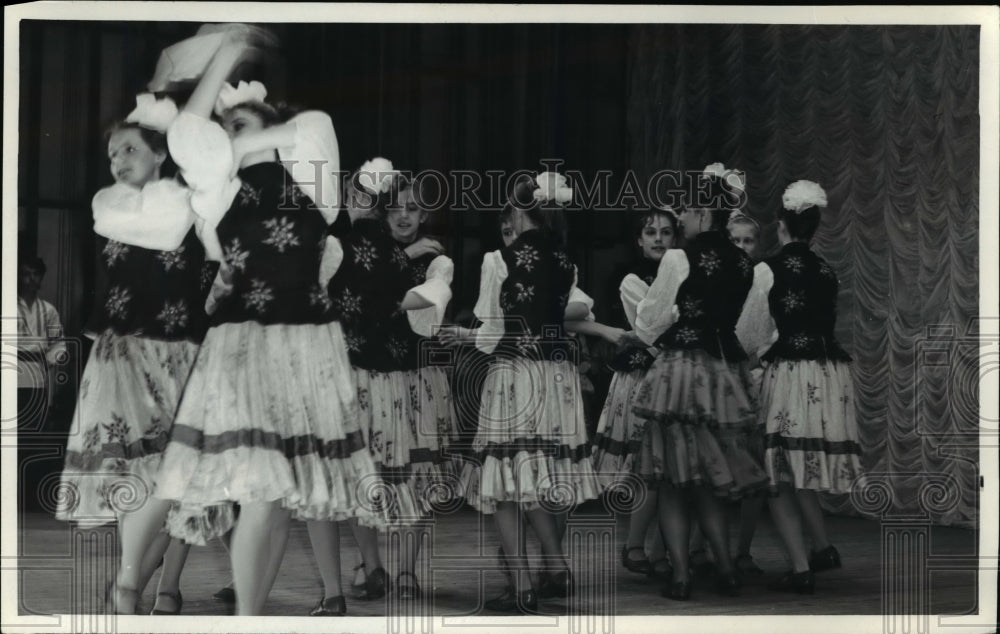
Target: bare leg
[
  {"x": 276, "y": 551},
  {"x": 325, "y": 539},
  {"x": 750, "y": 509},
  {"x": 252, "y": 541},
  {"x": 170, "y": 578},
  {"x": 812, "y": 515},
  {"x": 639, "y": 521},
  {"x": 546, "y": 527},
  {"x": 508, "y": 521},
  {"x": 712, "y": 518},
  {"x": 675, "y": 526},
  {"x": 367, "y": 539},
  {"x": 785, "y": 513},
  {"x": 151, "y": 560},
  {"x": 137, "y": 531}
]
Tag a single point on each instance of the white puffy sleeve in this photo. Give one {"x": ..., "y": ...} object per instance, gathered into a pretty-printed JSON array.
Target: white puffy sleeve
[
  {"x": 186, "y": 60},
  {"x": 156, "y": 217},
  {"x": 655, "y": 312},
  {"x": 755, "y": 328},
  {"x": 204, "y": 154},
  {"x": 313, "y": 161},
  {"x": 333, "y": 256},
  {"x": 436, "y": 289},
  {"x": 487, "y": 309},
  {"x": 632, "y": 290},
  {"x": 577, "y": 296}
]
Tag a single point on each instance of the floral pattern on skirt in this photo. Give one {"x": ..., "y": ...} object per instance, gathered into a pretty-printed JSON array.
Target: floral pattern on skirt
[
  {"x": 531, "y": 446},
  {"x": 619, "y": 449},
  {"x": 706, "y": 419},
  {"x": 807, "y": 410},
  {"x": 125, "y": 409},
  {"x": 406, "y": 417},
  {"x": 269, "y": 415}
]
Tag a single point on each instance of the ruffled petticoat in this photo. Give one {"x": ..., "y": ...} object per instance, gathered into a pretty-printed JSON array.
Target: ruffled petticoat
[
  {"x": 807, "y": 410},
  {"x": 618, "y": 443},
  {"x": 407, "y": 419},
  {"x": 270, "y": 415},
  {"x": 128, "y": 397},
  {"x": 701, "y": 406},
  {"x": 531, "y": 446}
]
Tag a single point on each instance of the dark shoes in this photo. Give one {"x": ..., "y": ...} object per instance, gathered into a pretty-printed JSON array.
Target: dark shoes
[
  {"x": 826, "y": 559},
  {"x": 558, "y": 584},
  {"x": 177, "y": 599},
  {"x": 510, "y": 601},
  {"x": 226, "y": 595},
  {"x": 332, "y": 606},
  {"x": 640, "y": 566},
  {"x": 374, "y": 587},
  {"x": 407, "y": 591},
  {"x": 677, "y": 590},
  {"x": 797, "y": 582},
  {"x": 745, "y": 565}
]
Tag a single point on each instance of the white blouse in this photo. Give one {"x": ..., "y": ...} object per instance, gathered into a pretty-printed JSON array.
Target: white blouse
[{"x": 656, "y": 311}]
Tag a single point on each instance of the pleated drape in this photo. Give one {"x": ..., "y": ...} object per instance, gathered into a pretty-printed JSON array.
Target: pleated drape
[{"x": 886, "y": 120}]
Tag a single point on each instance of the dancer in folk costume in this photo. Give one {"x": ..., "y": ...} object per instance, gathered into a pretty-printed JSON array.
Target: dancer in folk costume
[
  {"x": 807, "y": 396},
  {"x": 148, "y": 329},
  {"x": 618, "y": 455},
  {"x": 430, "y": 387},
  {"x": 269, "y": 417},
  {"x": 696, "y": 389},
  {"x": 531, "y": 446},
  {"x": 744, "y": 232},
  {"x": 375, "y": 291}
]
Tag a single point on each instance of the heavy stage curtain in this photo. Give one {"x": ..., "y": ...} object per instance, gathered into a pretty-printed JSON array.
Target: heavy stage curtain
[{"x": 886, "y": 119}]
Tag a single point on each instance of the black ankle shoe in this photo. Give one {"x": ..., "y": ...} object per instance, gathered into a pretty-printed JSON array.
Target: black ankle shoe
[
  {"x": 333, "y": 606},
  {"x": 727, "y": 584},
  {"x": 509, "y": 601},
  {"x": 559, "y": 584},
  {"x": 410, "y": 590},
  {"x": 797, "y": 582},
  {"x": 374, "y": 587},
  {"x": 677, "y": 590},
  {"x": 226, "y": 595},
  {"x": 826, "y": 559}
]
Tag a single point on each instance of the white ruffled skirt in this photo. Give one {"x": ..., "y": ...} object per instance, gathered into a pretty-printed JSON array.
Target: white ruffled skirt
[
  {"x": 407, "y": 419},
  {"x": 531, "y": 446},
  {"x": 706, "y": 419},
  {"x": 125, "y": 410},
  {"x": 270, "y": 415},
  {"x": 807, "y": 411}
]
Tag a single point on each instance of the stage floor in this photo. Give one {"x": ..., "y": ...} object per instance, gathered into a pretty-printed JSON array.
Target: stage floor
[{"x": 62, "y": 570}]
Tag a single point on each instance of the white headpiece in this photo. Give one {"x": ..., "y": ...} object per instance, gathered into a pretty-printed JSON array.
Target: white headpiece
[
  {"x": 150, "y": 112},
  {"x": 376, "y": 175},
  {"x": 552, "y": 186},
  {"x": 802, "y": 195},
  {"x": 736, "y": 179},
  {"x": 231, "y": 96}
]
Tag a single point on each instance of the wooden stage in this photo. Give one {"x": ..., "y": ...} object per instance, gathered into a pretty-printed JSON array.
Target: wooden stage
[{"x": 62, "y": 570}]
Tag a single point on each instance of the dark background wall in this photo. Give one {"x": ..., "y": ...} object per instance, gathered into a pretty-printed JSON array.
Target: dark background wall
[{"x": 885, "y": 118}]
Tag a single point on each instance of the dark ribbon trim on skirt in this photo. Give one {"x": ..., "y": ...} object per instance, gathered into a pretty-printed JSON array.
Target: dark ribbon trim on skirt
[
  {"x": 616, "y": 447},
  {"x": 747, "y": 424},
  {"x": 294, "y": 447},
  {"x": 813, "y": 444},
  {"x": 550, "y": 448},
  {"x": 93, "y": 460}
]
